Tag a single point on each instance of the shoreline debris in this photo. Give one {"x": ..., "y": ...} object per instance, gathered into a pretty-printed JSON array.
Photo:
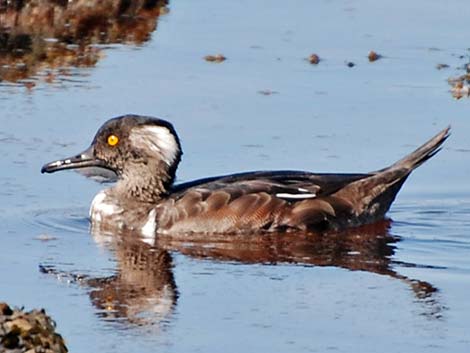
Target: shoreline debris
[{"x": 32, "y": 331}]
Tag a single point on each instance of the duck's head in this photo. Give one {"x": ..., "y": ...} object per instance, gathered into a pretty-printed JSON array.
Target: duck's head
[{"x": 143, "y": 152}]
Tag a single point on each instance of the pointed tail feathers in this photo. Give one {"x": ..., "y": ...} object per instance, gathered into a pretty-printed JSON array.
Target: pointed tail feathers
[
  {"x": 372, "y": 196},
  {"x": 423, "y": 153}
]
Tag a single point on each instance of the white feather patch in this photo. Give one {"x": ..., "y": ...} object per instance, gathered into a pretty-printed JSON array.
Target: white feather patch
[
  {"x": 149, "y": 228},
  {"x": 157, "y": 139},
  {"x": 285, "y": 195},
  {"x": 99, "y": 207}
]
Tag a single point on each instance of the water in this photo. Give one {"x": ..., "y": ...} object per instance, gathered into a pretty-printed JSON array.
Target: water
[{"x": 402, "y": 288}]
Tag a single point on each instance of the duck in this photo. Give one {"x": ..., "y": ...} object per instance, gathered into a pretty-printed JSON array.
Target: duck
[{"x": 143, "y": 154}]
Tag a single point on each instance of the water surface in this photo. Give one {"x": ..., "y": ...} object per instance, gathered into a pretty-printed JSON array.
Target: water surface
[{"x": 396, "y": 288}]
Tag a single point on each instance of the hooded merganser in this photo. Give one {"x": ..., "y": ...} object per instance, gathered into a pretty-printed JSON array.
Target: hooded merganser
[{"x": 144, "y": 152}]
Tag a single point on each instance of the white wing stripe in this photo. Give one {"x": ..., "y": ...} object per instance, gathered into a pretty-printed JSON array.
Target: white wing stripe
[{"x": 283, "y": 195}]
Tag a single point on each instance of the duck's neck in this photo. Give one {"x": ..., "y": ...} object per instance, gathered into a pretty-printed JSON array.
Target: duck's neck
[{"x": 145, "y": 184}]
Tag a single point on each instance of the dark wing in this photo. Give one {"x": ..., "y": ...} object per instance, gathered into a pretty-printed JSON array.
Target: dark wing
[
  {"x": 273, "y": 182},
  {"x": 252, "y": 202}
]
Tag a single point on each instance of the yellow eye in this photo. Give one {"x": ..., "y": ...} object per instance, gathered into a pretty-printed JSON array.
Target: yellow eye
[{"x": 113, "y": 140}]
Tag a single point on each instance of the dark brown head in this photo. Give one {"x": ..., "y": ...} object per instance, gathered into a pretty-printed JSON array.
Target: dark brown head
[{"x": 142, "y": 151}]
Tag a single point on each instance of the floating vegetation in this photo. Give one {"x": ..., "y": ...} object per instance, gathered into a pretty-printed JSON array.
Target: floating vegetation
[
  {"x": 442, "y": 66},
  {"x": 267, "y": 92},
  {"x": 373, "y": 56},
  {"x": 314, "y": 59},
  {"x": 460, "y": 89},
  {"x": 461, "y": 84},
  {"x": 215, "y": 58}
]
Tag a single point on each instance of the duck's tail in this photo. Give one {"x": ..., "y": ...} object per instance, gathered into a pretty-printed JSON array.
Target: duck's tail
[
  {"x": 372, "y": 196},
  {"x": 423, "y": 153}
]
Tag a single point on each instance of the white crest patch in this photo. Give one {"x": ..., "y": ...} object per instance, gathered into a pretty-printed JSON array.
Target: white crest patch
[{"x": 157, "y": 139}]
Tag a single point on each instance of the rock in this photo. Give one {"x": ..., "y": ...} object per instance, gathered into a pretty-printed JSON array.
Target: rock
[
  {"x": 5, "y": 309},
  {"x": 30, "y": 332},
  {"x": 21, "y": 323}
]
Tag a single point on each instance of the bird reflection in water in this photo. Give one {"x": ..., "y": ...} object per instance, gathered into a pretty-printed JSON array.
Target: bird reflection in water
[{"x": 144, "y": 291}]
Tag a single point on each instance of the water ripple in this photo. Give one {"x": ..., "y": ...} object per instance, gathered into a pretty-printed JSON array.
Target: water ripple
[{"x": 62, "y": 220}]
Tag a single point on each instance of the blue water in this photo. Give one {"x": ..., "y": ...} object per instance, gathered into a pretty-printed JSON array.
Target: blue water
[{"x": 324, "y": 118}]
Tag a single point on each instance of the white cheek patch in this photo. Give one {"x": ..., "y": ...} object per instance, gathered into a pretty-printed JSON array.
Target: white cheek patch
[{"x": 156, "y": 139}]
